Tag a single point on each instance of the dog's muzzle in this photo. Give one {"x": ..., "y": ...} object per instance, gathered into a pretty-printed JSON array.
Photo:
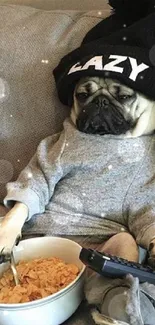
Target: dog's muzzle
[{"x": 102, "y": 117}]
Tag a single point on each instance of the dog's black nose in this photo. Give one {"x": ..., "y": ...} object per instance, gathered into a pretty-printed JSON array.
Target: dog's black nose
[{"x": 101, "y": 101}]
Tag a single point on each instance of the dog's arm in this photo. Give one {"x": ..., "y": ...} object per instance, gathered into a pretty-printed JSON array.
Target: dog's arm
[
  {"x": 33, "y": 188},
  {"x": 10, "y": 228}
]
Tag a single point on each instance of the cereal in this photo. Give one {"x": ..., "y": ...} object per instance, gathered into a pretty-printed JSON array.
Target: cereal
[{"x": 39, "y": 278}]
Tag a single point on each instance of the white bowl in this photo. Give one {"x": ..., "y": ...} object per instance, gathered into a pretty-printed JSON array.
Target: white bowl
[{"x": 54, "y": 309}]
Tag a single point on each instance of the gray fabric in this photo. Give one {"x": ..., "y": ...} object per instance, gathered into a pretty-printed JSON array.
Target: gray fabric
[
  {"x": 114, "y": 304},
  {"x": 66, "y": 171},
  {"x": 61, "y": 4},
  {"x": 124, "y": 300},
  {"x": 32, "y": 42}
]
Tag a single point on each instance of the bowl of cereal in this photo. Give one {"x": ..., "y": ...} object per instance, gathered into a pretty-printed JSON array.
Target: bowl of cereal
[{"x": 51, "y": 282}]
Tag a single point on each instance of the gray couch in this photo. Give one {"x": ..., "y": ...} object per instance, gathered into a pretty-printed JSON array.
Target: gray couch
[
  {"x": 32, "y": 41},
  {"x": 34, "y": 35},
  {"x": 61, "y": 4}
]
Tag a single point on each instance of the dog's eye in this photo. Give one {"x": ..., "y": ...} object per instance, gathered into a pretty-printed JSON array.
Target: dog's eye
[
  {"x": 82, "y": 96},
  {"x": 124, "y": 97}
]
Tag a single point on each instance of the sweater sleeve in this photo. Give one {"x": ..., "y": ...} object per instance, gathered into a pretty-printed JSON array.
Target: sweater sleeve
[
  {"x": 35, "y": 184},
  {"x": 140, "y": 203}
]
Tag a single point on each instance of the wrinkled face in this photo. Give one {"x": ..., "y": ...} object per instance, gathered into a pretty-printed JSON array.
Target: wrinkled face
[{"x": 105, "y": 106}]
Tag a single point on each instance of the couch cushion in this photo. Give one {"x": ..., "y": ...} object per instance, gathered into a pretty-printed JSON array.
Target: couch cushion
[
  {"x": 61, "y": 4},
  {"x": 32, "y": 43}
]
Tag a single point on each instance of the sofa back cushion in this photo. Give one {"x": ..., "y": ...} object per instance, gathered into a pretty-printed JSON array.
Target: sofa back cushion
[
  {"x": 61, "y": 4},
  {"x": 32, "y": 43}
]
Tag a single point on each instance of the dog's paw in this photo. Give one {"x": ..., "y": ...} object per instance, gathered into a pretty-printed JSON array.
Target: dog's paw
[
  {"x": 8, "y": 240},
  {"x": 5, "y": 254}
]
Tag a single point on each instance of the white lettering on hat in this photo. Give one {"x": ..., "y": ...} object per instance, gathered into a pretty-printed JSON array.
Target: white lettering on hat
[
  {"x": 97, "y": 63},
  {"x": 136, "y": 69},
  {"x": 111, "y": 66},
  {"x": 75, "y": 67}
]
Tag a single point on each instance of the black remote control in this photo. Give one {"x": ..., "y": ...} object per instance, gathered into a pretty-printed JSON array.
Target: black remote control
[{"x": 115, "y": 267}]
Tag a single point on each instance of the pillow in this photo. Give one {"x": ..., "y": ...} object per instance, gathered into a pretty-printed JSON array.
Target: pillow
[{"x": 32, "y": 42}]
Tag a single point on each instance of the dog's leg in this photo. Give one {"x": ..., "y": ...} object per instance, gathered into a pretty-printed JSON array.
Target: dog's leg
[
  {"x": 122, "y": 245},
  {"x": 96, "y": 288},
  {"x": 10, "y": 228}
]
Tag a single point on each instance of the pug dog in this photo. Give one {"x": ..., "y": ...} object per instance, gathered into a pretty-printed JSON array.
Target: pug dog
[
  {"x": 100, "y": 106},
  {"x": 106, "y": 106}
]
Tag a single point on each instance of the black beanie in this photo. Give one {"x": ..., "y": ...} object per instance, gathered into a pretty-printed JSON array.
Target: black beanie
[{"x": 121, "y": 47}]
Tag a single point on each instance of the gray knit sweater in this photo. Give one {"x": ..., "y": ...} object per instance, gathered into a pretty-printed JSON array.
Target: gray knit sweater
[{"x": 81, "y": 184}]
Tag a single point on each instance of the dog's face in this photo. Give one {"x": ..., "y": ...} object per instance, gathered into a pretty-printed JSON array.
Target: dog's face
[{"x": 106, "y": 106}]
